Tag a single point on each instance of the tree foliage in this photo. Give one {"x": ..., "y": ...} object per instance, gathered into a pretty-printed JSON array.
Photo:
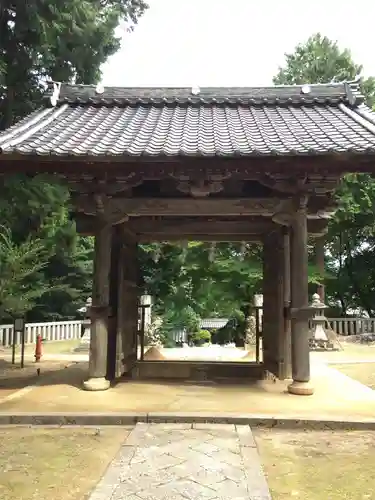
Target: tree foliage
[
  {"x": 350, "y": 241},
  {"x": 45, "y": 267},
  {"x": 50, "y": 39}
]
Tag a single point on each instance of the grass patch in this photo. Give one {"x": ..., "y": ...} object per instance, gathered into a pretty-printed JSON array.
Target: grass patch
[
  {"x": 317, "y": 465},
  {"x": 362, "y": 372},
  {"x": 65, "y": 463}
]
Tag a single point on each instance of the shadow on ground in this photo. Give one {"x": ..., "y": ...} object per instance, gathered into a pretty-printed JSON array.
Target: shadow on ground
[{"x": 51, "y": 373}]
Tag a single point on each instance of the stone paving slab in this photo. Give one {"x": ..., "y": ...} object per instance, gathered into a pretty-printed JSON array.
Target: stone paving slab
[{"x": 182, "y": 462}]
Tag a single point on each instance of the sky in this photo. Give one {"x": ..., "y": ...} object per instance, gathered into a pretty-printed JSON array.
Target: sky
[{"x": 233, "y": 42}]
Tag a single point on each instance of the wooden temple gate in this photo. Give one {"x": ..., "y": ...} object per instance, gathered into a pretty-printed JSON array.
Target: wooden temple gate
[{"x": 148, "y": 165}]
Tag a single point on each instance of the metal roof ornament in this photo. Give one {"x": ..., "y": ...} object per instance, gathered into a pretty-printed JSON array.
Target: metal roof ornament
[
  {"x": 195, "y": 90},
  {"x": 55, "y": 94},
  {"x": 99, "y": 89},
  {"x": 306, "y": 89},
  {"x": 349, "y": 94}
]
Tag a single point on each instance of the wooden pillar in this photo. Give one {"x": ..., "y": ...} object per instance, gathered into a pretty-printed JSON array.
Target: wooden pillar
[
  {"x": 320, "y": 264},
  {"x": 273, "y": 303},
  {"x": 299, "y": 303},
  {"x": 97, "y": 380},
  {"x": 287, "y": 344},
  {"x": 120, "y": 342},
  {"x": 128, "y": 309},
  {"x": 114, "y": 283}
]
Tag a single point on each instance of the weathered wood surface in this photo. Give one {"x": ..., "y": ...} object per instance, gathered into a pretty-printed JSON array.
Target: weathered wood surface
[
  {"x": 299, "y": 296},
  {"x": 100, "y": 301},
  {"x": 204, "y": 229},
  {"x": 118, "y": 208},
  {"x": 246, "y": 167}
]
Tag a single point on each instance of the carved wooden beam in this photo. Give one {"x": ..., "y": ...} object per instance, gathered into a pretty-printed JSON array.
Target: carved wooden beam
[
  {"x": 90, "y": 185},
  {"x": 119, "y": 208},
  {"x": 141, "y": 229},
  {"x": 200, "y": 185},
  {"x": 306, "y": 183},
  {"x": 289, "y": 185},
  {"x": 100, "y": 204},
  {"x": 203, "y": 227},
  {"x": 220, "y": 238},
  {"x": 162, "y": 167},
  {"x": 318, "y": 207}
]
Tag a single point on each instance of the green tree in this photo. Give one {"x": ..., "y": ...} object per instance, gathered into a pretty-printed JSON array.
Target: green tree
[
  {"x": 38, "y": 225},
  {"x": 17, "y": 264},
  {"x": 42, "y": 40},
  {"x": 50, "y": 39}
]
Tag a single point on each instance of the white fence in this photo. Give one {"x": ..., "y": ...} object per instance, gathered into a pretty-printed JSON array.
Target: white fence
[
  {"x": 70, "y": 330},
  {"x": 352, "y": 326},
  {"x": 53, "y": 331}
]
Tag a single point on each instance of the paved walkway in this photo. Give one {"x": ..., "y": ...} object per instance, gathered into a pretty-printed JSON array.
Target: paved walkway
[{"x": 183, "y": 462}]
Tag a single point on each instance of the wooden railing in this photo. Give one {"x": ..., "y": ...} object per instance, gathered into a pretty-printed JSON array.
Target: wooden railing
[{"x": 51, "y": 331}]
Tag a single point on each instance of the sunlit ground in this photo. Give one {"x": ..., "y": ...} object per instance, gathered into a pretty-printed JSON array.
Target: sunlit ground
[{"x": 210, "y": 353}]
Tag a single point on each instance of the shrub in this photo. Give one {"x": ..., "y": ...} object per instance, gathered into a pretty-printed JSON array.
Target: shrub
[{"x": 201, "y": 337}]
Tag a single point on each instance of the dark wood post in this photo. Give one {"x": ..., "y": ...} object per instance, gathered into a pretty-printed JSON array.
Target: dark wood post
[
  {"x": 287, "y": 346},
  {"x": 299, "y": 303},
  {"x": 320, "y": 264},
  {"x": 114, "y": 285},
  {"x": 273, "y": 303},
  {"x": 128, "y": 308},
  {"x": 120, "y": 333},
  {"x": 97, "y": 380}
]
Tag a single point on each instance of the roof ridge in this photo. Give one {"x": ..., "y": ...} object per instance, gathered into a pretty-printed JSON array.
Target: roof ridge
[
  {"x": 107, "y": 96},
  {"x": 51, "y": 83}
]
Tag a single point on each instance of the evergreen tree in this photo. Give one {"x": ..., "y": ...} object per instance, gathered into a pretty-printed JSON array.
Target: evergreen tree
[{"x": 350, "y": 241}]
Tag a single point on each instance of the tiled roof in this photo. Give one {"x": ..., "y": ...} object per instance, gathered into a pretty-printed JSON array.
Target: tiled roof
[
  {"x": 286, "y": 120},
  {"x": 213, "y": 322}
]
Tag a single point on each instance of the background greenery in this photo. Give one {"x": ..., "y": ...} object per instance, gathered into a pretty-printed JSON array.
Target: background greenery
[{"x": 45, "y": 267}]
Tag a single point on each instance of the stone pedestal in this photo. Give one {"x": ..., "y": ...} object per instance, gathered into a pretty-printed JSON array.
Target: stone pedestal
[
  {"x": 96, "y": 384},
  {"x": 84, "y": 345}
]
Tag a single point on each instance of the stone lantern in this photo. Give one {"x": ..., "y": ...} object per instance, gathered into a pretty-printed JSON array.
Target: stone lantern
[
  {"x": 84, "y": 345},
  {"x": 319, "y": 338}
]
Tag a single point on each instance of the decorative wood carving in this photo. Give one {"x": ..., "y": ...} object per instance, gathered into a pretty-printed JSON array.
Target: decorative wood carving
[
  {"x": 307, "y": 183},
  {"x": 91, "y": 185},
  {"x": 317, "y": 207},
  {"x": 100, "y": 204},
  {"x": 200, "y": 186}
]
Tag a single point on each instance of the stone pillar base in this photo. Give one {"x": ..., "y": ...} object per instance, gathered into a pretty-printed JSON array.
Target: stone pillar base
[
  {"x": 96, "y": 384},
  {"x": 301, "y": 388}
]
